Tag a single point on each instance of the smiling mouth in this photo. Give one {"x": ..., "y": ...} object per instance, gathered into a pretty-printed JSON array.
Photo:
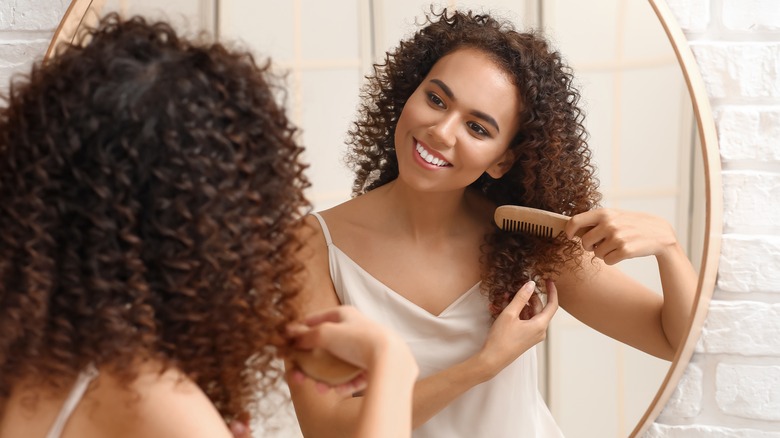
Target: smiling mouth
[{"x": 428, "y": 157}]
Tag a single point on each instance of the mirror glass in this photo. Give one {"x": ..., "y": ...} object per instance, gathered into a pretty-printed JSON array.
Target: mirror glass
[
  {"x": 638, "y": 112},
  {"x": 643, "y": 133}
]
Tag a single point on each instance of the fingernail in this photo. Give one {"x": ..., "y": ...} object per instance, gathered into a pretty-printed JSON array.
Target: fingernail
[
  {"x": 532, "y": 283},
  {"x": 296, "y": 329},
  {"x": 238, "y": 428}
]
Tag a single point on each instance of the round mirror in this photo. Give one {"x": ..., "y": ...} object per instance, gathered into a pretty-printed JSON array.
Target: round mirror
[{"x": 651, "y": 130}]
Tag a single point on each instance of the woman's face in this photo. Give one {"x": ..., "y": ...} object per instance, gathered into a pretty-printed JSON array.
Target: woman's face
[{"x": 458, "y": 123}]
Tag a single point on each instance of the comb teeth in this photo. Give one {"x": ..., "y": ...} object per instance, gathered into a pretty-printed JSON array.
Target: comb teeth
[{"x": 526, "y": 227}]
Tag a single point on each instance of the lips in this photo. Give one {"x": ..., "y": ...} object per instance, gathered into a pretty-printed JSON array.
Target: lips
[{"x": 429, "y": 157}]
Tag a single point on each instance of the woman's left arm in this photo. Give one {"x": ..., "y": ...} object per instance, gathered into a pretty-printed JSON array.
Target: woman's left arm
[{"x": 613, "y": 303}]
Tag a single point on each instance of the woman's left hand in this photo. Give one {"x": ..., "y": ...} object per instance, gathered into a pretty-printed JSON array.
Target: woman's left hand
[{"x": 617, "y": 235}]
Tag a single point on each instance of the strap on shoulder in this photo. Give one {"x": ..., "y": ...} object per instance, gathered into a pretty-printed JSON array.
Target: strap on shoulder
[{"x": 325, "y": 230}]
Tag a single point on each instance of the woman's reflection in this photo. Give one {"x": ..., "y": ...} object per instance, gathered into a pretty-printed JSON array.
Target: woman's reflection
[{"x": 465, "y": 116}]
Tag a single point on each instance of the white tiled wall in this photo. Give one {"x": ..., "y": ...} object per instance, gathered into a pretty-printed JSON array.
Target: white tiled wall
[
  {"x": 188, "y": 16},
  {"x": 322, "y": 49}
]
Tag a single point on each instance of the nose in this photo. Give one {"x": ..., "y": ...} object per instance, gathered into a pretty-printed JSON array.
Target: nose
[{"x": 444, "y": 130}]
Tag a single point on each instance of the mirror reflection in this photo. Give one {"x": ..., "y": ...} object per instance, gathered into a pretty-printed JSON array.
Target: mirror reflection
[
  {"x": 641, "y": 124},
  {"x": 638, "y": 116}
]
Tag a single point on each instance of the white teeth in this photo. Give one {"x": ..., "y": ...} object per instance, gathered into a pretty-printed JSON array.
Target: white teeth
[{"x": 428, "y": 157}]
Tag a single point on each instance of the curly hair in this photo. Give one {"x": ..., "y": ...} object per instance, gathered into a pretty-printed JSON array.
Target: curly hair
[
  {"x": 552, "y": 168},
  {"x": 149, "y": 188}
]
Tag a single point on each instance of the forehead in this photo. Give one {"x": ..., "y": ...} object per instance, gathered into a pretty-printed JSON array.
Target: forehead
[{"x": 479, "y": 83}]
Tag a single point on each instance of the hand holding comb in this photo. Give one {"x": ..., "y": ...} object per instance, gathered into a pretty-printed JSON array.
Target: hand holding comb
[{"x": 533, "y": 221}]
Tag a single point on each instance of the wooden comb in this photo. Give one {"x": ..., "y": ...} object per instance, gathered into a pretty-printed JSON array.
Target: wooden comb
[
  {"x": 324, "y": 367},
  {"x": 533, "y": 221}
]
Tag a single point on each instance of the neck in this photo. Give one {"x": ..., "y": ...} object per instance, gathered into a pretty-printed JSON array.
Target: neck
[{"x": 428, "y": 215}]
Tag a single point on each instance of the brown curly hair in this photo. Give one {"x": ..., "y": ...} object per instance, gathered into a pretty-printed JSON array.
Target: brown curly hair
[
  {"x": 149, "y": 187},
  {"x": 552, "y": 168}
]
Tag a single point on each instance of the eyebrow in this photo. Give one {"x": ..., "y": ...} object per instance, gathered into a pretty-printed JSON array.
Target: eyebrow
[{"x": 476, "y": 113}]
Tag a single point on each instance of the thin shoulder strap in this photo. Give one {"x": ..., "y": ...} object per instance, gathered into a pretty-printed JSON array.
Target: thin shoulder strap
[
  {"x": 79, "y": 388},
  {"x": 325, "y": 230}
]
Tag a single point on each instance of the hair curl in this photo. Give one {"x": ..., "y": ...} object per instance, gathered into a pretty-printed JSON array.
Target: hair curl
[
  {"x": 148, "y": 191},
  {"x": 552, "y": 168}
]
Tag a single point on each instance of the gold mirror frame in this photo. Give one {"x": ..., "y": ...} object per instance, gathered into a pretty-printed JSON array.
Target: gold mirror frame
[{"x": 77, "y": 15}]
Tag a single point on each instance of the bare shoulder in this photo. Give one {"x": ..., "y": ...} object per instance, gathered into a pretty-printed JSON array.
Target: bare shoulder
[
  {"x": 154, "y": 405},
  {"x": 357, "y": 211},
  {"x": 360, "y": 220},
  {"x": 312, "y": 238},
  {"x": 317, "y": 290}
]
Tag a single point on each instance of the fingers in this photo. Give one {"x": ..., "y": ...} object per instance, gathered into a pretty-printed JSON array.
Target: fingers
[
  {"x": 306, "y": 339},
  {"x": 357, "y": 384},
  {"x": 239, "y": 430},
  {"x": 521, "y": 298},
  {"x": 526, "y": 297},
  {"x": 308, "y": 333},
  {"x": 581, "y": 223},
  {"x": 239, "y": 427},
  {"x": 586, "y": 227},
  {"x": 542, "y": 312},
  {"x": 296, "y": 329},
  {"x": 591, "y": 240},
  {"x": 552, "y": 301},
  {"x": 334, "y": 314},
  {"x": 619, "y": 235}
]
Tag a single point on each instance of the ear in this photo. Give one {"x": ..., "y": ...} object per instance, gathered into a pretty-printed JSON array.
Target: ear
[{"x": 502, "y": 165}]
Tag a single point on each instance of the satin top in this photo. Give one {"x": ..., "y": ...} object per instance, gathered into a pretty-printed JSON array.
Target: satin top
[{"x": 509, "y": 405}]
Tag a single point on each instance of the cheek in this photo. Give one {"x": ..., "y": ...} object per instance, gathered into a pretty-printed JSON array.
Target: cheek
[
  {"x": 402, "y": 125},
  {"x": 483, "y": 158},
  {"x": 417, "y": 111},
  {"x": 409, "y": 114}
]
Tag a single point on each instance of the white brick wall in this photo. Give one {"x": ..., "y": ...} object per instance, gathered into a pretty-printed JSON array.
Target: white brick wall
[
  {"x": 732, "y": 386},
  {"x": 748, "y": 132},
  {"x": 26, "y": 26},
  {"x": 750, "y": 15},
  {"x": 748, "y": 391},
  {"x": 731, "y": 389}
]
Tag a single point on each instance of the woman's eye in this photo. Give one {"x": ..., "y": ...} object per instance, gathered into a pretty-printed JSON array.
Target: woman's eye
[
  {"x": 478, "y": 129},
  {"x": 436, "y": 100}
]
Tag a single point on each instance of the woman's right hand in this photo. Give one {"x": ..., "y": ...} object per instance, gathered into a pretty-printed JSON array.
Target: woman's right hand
[
  {"x": 347, "y": 334},
  {"x": 386, "y": 407},
  {"x": 510, "y": 336}
]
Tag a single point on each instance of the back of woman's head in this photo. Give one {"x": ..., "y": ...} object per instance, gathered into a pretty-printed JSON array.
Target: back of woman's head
[
  {"x": 148, "y": 188},
  {"x": 551, "y": 169}
]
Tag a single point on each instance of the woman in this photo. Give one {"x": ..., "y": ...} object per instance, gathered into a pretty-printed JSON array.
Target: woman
[
  {"x": 464, "y": 116},
  {"x": 150, "y": 202}
]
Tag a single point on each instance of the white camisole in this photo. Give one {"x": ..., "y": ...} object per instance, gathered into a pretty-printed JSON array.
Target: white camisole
[
  {"x": 509, "y": 405},
  {"x": 75, "y": 396}
]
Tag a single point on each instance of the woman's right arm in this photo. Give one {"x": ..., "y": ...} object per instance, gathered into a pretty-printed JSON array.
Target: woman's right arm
[
  {"x": 333, "y": 414},
  {"x": 391, "y": 370}
]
